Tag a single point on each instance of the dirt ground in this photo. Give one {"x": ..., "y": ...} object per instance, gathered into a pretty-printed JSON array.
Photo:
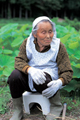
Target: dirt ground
[{"x": 36, "y": 114}]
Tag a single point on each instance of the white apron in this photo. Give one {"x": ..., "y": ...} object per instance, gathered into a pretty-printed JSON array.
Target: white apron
[{"x": 45, "y": 61}]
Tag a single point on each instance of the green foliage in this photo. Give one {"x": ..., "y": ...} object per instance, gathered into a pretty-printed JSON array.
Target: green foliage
[
  {"x": 20, "y": 22},
  {"x": 4, "y": 99},
  {"x": 74, "y": 23},
  {"x": 70, "y": 103},
  {"x": 6, "y": 65},
  {"x": 71, "y": 39},
  {"x": 69, "y": 36},
  {"x": 66, "y": 22},
  {"x": 72, "y": 86},
  {"x": 11, "y": 37}
]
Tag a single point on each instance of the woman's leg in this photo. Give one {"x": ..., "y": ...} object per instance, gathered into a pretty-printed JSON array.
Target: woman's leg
[
  {"x": 55, "y": 107},
  {"x": 18, "y": 83}
]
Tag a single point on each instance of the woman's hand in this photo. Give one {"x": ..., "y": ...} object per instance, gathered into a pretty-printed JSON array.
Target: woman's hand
[
  {"x": 53, "y": 87},
  {"x": 37, "y": 75}
]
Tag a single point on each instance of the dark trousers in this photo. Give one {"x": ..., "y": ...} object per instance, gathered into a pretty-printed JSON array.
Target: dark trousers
[{"x": 18, "y": 83}]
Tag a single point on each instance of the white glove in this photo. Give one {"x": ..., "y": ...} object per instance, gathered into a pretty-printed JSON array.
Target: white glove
[
  {"x": 37, "y": 75},
  {"x": 53, "y": 87}
]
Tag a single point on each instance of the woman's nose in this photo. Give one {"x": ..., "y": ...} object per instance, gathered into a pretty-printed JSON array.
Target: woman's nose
[{"x": 48, "y": 35}]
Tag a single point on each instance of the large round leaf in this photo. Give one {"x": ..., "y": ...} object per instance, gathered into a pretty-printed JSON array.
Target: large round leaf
[
  {"x": 76, "y": 73},
  {"x": 8, "y": 28},
  {"x": 6, "y": 61},
  {"x": 17, "y": 41},
  {"x": 71, "y": 86},
  {"x": 6, "y": 51},
  {"x": 7, "y": 71},
  {"x": 73, "y": 45}
]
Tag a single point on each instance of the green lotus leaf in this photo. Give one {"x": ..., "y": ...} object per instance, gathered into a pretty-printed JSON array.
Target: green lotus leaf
[
  {"x": 17, "y": 41},
  {"x": 15, "y": 53},
  {"x": 6, "y": 61},
  {"x": 73, "y": 45},
  {"x": 7, "y": 71},
  {"x": 23, "y": 28},
  {"x": 65, "y": 38},
  {"x": 71, "y": 29},
  {"x": 76, "y": 72},
  {"x": 6, "y": 51},
  {"x": 70, "y": 51},
  {"x": 71, "y": 86},
  {"x": 77, "y": 54},
  {"x": 26, "y": 33},
  {"x": 1, "y": 72},
  {"x": 75, "y": 65},
  {"x": 1, "y": 40},
  {"x": 8, "y": 28}
]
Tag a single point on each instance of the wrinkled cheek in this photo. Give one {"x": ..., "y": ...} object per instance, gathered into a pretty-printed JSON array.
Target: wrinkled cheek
[{"x": 43, "y": 38}]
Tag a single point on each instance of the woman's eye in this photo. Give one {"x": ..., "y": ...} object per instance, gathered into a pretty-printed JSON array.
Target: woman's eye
[
  {"x": 50, "y": 31},
  {"x": 43, "y": 32}
]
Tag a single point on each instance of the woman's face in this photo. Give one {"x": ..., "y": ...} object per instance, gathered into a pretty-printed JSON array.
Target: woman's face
[{"x": 44, "y": 34}]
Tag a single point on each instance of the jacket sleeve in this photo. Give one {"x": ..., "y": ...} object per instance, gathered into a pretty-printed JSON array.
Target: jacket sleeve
[
  {"x": 21, "y": 61},
  {"x": 65, "y": 71}
]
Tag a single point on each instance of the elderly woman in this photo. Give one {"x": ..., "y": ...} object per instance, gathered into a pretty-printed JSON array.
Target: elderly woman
[{"x": 42, "y": 65}]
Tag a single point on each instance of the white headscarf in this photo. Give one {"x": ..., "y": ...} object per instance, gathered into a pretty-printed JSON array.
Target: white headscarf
[{"x": 37, "y": 20}]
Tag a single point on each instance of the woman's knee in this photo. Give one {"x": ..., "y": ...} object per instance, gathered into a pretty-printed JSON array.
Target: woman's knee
[{"x": 14, "y": 76}]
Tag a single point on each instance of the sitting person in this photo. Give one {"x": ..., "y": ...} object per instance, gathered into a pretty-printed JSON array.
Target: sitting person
[{"x": 42, "y": 65}]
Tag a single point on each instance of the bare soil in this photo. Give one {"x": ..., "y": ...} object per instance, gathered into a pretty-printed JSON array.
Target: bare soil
[{"x": 36, "y": 114}]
